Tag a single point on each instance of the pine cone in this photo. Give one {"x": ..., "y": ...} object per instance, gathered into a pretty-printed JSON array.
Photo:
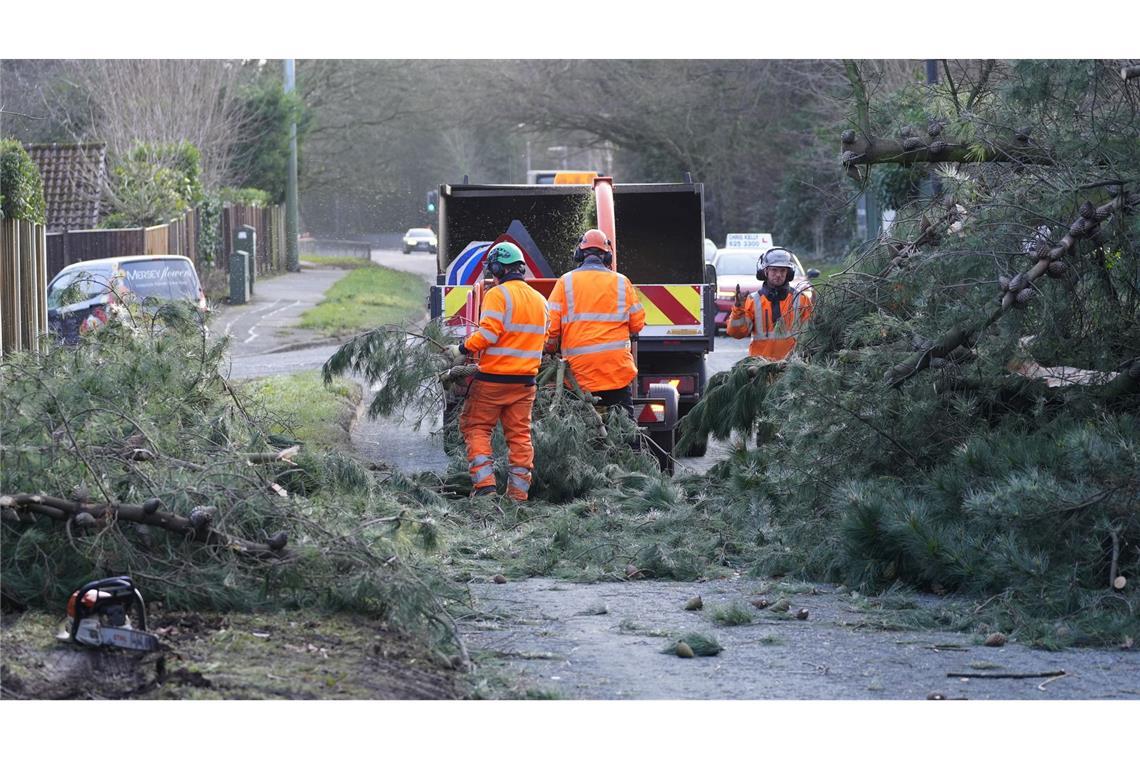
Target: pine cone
[
  {"x": 1024, "y": 296},
  {"x": 1079, "y": 228},
  {"x": 1003, "y": 281},
  {"x": 936, "y": 147},
  {"x": 934, "y": 129},
  {"x": 1018, "y": 282},
  {"x": 848, "y": 136},
  {"x": 848, "y": 156},
  {"x": 912, "y": 143},
  {"x": 150, "y": 506},
  {"x": 84, "y": 521},
  {"x": 202, "y": 516},
  {"x": 132, "y": 442},
  {"x": 1056, "y": 269},
  {"x": 1088, "y": 211},
  {"x": 277, "y": 541},
  {"x": 906, "y": 130}
]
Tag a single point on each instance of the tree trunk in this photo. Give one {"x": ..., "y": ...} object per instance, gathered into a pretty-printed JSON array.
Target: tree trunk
[{"x": 62, "y": 509}]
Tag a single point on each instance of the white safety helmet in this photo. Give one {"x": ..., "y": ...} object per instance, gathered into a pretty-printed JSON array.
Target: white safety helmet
[{"x": 775, "y": 257}]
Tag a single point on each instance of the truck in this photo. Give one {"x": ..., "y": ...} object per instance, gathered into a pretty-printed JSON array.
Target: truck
[
  {"x": 560, "y": 177},
  {"x": 657, "y": 231}
]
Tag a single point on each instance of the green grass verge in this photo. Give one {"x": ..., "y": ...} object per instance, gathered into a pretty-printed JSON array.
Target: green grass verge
[
  {"x": 366, "y": 298},
  {"x": 304, "y": 408},
  {"x": 826, "y": 268},
  {"x": 340, "y": 262}
]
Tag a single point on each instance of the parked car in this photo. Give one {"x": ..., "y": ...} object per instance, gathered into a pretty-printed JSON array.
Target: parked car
[
  {"x": 86, "y": 295},
  {"x": 710, "y": 251},
  {"x": 420, "y": 239},
  {"x": 735, "y": 266}
]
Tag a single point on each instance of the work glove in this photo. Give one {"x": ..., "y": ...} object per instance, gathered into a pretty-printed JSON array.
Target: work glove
[
  {"x": 738, "y": 300},
  {"x": 454, "y": 355}
]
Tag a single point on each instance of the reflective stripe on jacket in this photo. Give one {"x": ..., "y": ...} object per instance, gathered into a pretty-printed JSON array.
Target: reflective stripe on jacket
[
  {"x": 593, "y": 312},
  {"x": 771, "y": 338},
  {"x": 512, "y": 330}
]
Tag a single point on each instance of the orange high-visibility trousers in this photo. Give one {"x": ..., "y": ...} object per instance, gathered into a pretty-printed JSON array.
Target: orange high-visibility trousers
[{"x": 488, "y": 404}]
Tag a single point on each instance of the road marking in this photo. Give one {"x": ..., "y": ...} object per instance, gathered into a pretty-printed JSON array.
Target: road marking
[
  {"x": 253, "y": 328},
  {"x": 250, "y": 314}
]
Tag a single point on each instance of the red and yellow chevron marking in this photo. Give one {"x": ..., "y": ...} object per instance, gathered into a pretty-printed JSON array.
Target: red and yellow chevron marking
[
  {"x": 454, "y": 299},
  {"x": 671, "y": 304}
]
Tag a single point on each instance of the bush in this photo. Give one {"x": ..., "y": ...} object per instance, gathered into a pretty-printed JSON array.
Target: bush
[
  {"x": 245, "y": 196},
  {"x": 153, "y": 184},
  {"x": 21, "y": 188}
]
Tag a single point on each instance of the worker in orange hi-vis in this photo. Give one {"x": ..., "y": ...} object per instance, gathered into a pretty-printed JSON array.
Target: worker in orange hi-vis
[
  {"x": 508, "y": 346},
  {"x": 775, "y": 313},
  {"x": 594, "y": 314}
]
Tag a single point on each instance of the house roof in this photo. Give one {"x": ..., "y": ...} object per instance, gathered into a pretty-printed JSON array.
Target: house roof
[{"x": 74, "y": 177}]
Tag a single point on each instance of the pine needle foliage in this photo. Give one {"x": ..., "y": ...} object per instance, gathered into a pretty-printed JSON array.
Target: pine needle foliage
[
  {"x": 973, "y": 474},
  {"x": 71, "y": 419},
  {"x": 702, "y": 644},
  {"x": 402, "y": 368},
  {"x": 730, "y": 615}
]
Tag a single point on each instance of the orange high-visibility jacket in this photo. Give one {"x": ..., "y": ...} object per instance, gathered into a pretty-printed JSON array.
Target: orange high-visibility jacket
[
  {"x": 771, "y": 338},
  {"x": 512, "y": 330},
  {"x": 593, "y": 312}
]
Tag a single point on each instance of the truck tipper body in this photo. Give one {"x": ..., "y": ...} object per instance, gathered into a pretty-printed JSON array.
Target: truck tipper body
[{"x": 658, "y": 235}]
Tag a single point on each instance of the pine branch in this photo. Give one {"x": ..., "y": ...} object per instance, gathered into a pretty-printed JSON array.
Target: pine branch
[{"x": 1018, "y": 291}]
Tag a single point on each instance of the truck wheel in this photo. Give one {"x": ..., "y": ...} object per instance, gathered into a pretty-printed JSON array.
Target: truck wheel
[{"x": 667, "y": 395}]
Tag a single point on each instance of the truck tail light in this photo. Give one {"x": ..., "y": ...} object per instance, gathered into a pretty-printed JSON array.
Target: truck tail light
[{"x": 685, "y": 384}]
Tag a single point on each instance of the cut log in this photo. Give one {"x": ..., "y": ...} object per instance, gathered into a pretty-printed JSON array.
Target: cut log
[{"x": 63, "y": 509}]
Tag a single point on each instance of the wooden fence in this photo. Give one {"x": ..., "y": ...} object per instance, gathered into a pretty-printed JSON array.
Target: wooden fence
[
  {"x": 178, "y": 238},
  {"x": 29, "y": 259},
  {"x": 270, "y": 225},
  {"x": 23, "y": 284}
]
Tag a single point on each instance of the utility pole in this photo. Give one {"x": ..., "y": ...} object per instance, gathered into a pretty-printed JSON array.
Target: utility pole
[{"x": 292, "y": 255}]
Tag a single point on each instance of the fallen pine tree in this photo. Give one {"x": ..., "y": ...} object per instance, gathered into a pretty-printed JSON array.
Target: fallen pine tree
[
  {"x": 132, "y": 454},
  {"x": 999, "y": 460}
]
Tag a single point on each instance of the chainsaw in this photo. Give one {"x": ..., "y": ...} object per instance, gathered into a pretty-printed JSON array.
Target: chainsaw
[{"x": 99, "y": 614}]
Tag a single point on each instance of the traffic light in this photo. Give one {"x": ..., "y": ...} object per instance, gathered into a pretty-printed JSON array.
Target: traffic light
[{"x": 432, "y": 201}]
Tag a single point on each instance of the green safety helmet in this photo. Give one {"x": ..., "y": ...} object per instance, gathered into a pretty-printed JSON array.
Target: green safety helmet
[{"x": 501, "y": 256}]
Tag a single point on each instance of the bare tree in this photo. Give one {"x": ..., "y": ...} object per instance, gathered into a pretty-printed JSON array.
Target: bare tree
[{"x": 165, "y": 101}]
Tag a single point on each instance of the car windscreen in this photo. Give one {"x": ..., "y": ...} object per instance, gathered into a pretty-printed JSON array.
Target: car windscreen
[
  {"x": 746, "y": 264},
  {"x": 736, "y": 265},
  {"x": 79, "y": 285},
  {"x": 165, "y": 279},
  {"x": 421, "y": 233}
]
